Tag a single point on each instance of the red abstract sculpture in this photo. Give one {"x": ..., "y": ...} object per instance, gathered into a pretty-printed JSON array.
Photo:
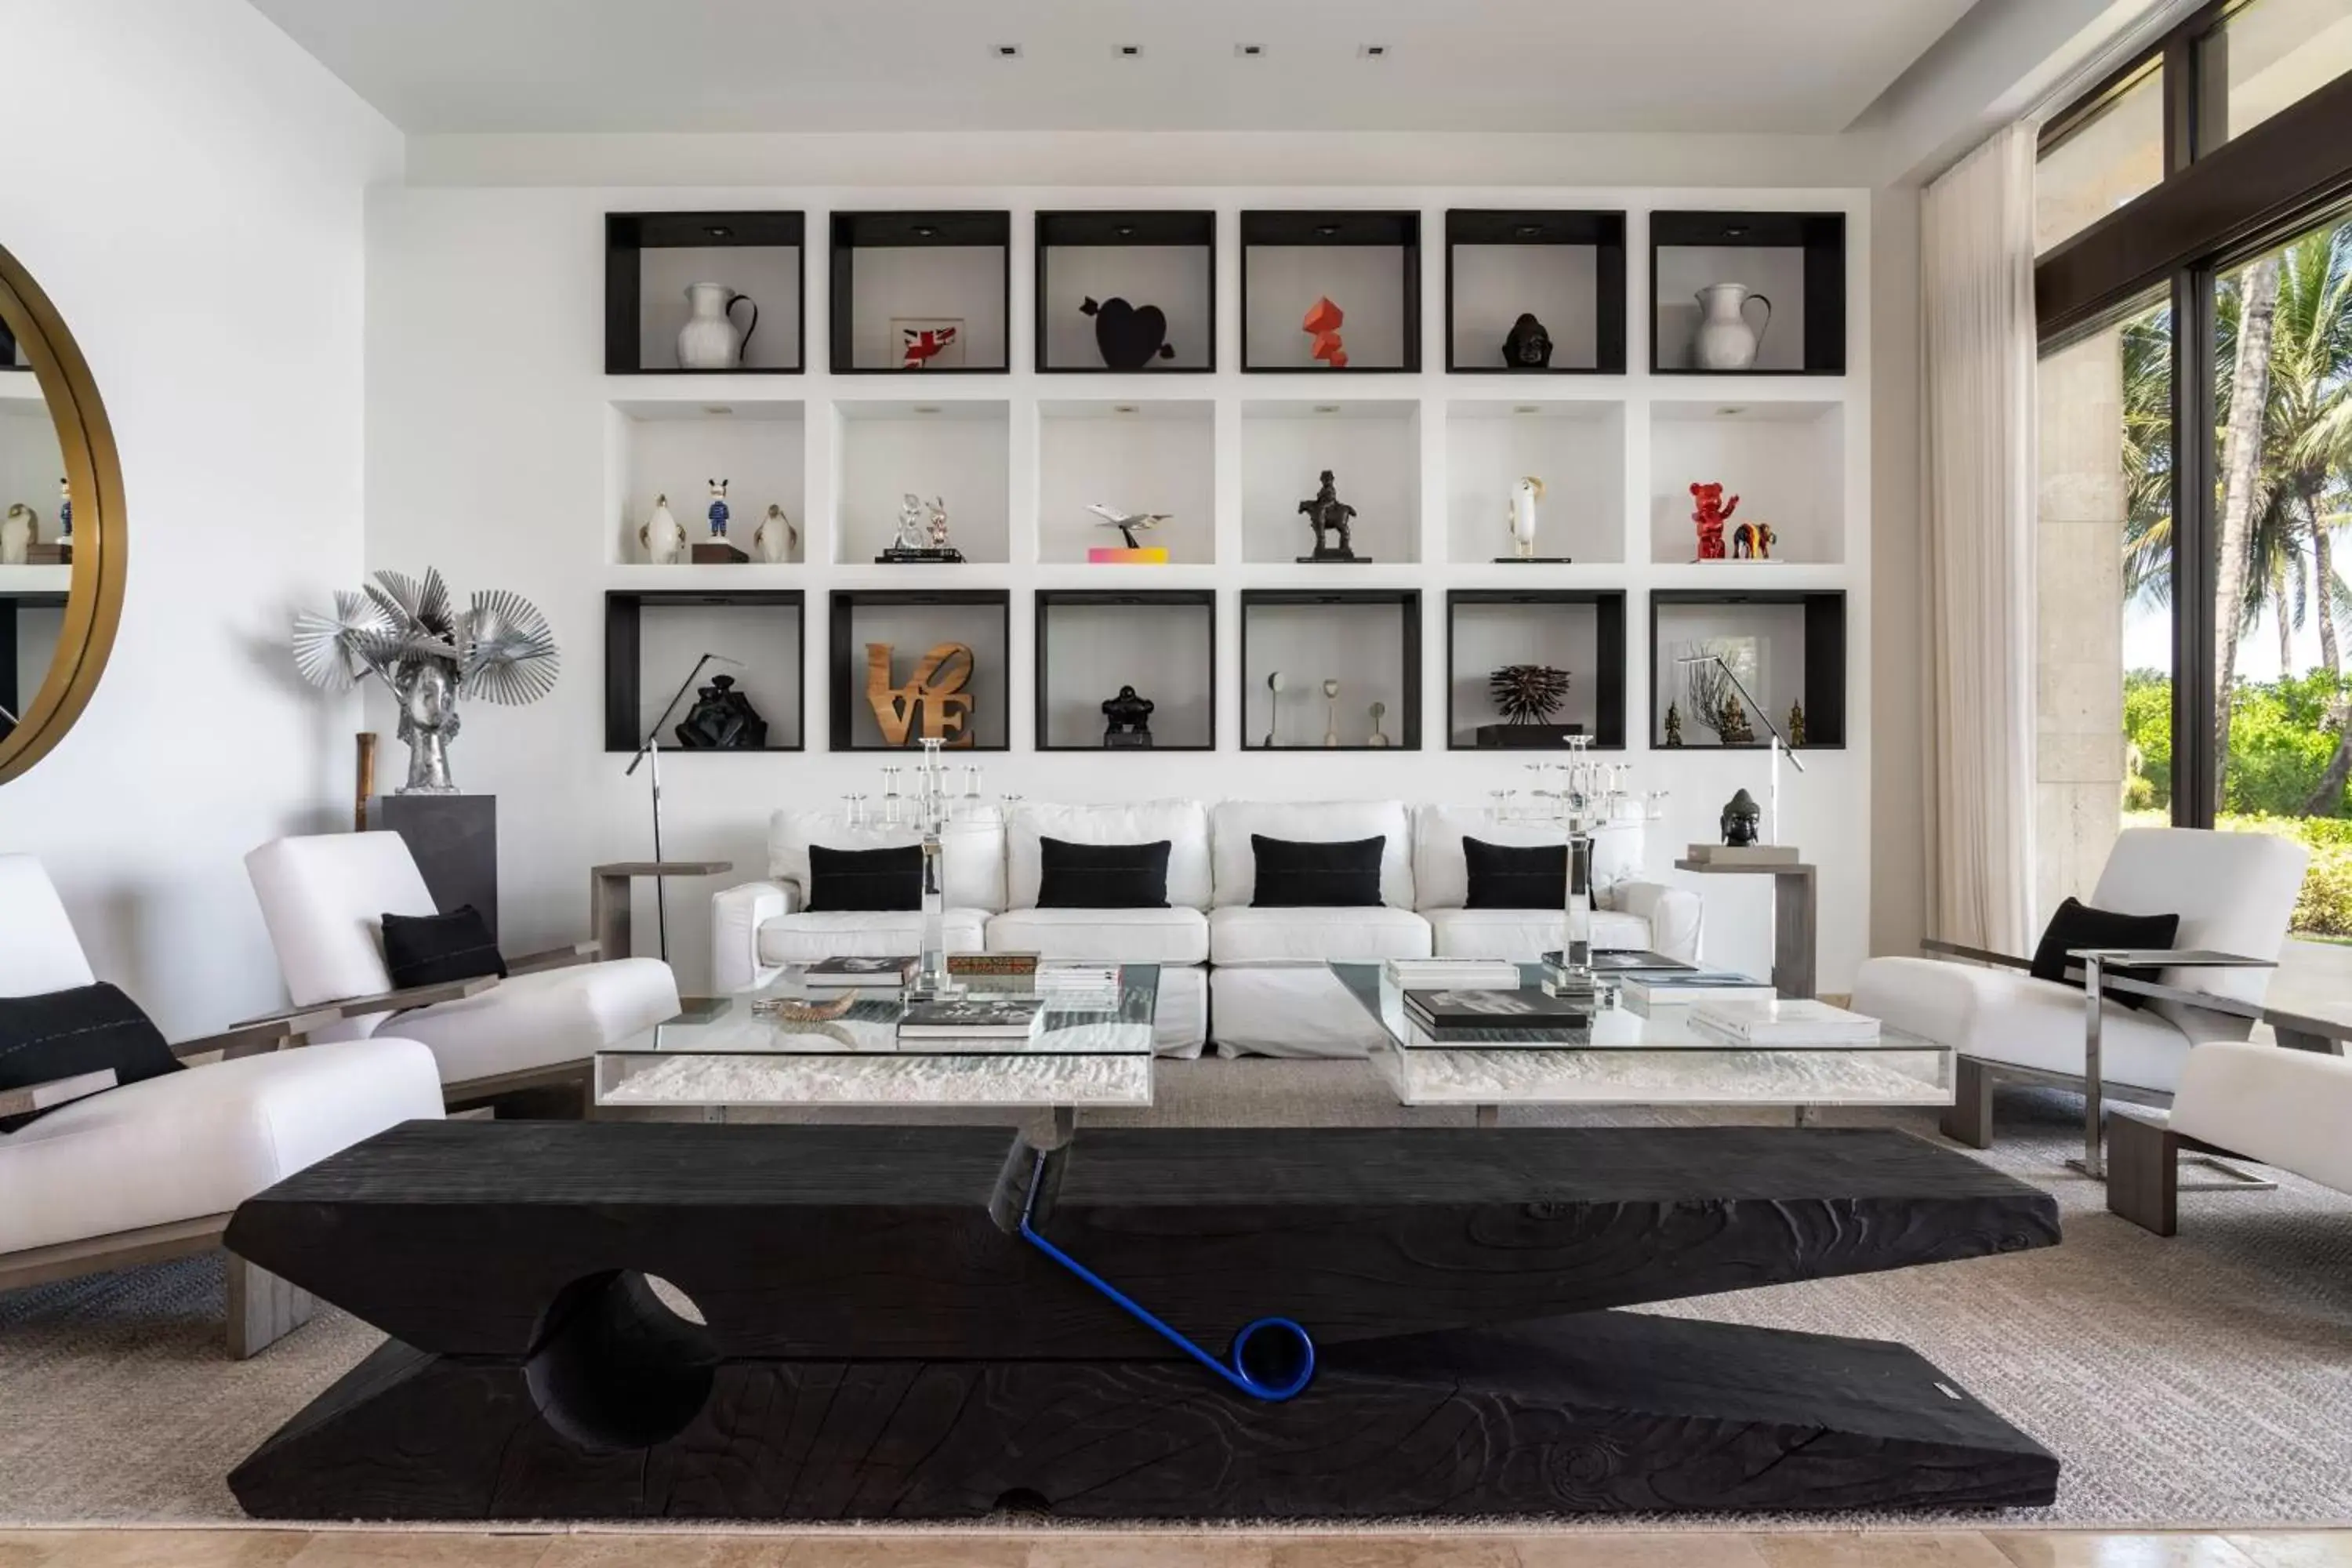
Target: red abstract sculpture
[
  {"x": 1713, "y": 512},
  {"x": 1323, "y": 320}
]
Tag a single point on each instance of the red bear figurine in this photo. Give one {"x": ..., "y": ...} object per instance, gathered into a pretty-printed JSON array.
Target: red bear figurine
[{"x": 1713, "y": 512}]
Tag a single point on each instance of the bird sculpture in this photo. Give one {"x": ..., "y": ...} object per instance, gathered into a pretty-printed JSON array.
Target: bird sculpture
[{"x": 1127, "y": 523}]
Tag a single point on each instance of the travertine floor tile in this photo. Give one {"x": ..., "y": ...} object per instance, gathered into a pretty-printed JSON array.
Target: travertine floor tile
[
  {"x": 29, "y": 1548},
  {"x": 1679, "y": 1550},
  {"x": 420, "y": 1549},
  {"x": 1206, "y": 1551},
  {"x": 2305, "y": 1549},
  {"x": 643, "y": 1550},
  {"x": 2073, "y": 1550},
  {"x": 1952, "y": 1549},
  {"x": 1396, "y": 1551},
  {"x": 908, "y": 1551},
  {"x": 181, "y": 1549}
]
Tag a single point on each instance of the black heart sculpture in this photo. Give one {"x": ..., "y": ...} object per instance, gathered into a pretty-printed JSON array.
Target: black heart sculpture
[{"x": 1130, "y": 336}]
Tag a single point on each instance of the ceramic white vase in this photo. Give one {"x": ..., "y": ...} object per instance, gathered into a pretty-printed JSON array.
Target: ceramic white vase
[
  {"x": 1724, "y": 339},
  {"x": 708, "y": 340}
]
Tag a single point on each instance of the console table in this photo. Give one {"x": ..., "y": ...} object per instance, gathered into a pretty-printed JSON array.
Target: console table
[
  {"x": 1795, "y": 918},
  {"x": 939, "y": 1322}
]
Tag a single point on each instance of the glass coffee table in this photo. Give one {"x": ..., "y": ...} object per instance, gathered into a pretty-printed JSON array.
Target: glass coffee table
[
  {"x": 1094, "y": 1049},
  {"x": 1626, "y": 1058}
]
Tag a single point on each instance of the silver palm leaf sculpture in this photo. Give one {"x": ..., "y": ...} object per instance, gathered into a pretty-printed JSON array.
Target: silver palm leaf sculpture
[{"x": 403, "y": 631}]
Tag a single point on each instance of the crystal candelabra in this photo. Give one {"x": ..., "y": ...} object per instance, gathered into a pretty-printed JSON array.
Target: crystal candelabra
[
  {"x": 1580, "y": 796},
  {"x": 933, "y": 804}
]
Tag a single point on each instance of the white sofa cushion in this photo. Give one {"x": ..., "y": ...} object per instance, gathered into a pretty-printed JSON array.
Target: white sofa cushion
[
  {"x": 542, "y": 1019},
  {"x": 2007, "y": 1015},
  {"x": 1441, "y": 876},
  {"x": 1310, "y": 822},
  {"x": 1179, "y": 1026},
  {"x": 1183, "y": 822},
  {"x": 807, "y": 938},
  {"x": 324, "y": 897},
  {"x": 2285, "y": 1108},
  {"x": 2234, "y": 892},
  {"x": 1291, "y": 1010},
  {"x": 1524, "y": 936},
  {"x": 971, "y": 878},
  {"x": 1241, "y": 935},
  {"x": 1125, "y": 936},
  {"x": 199, "y": 1142},
  {"x": 39, "y": 950}
]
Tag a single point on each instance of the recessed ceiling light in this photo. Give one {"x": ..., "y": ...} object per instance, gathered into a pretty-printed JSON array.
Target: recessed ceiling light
[
  {"x": 1735, "y": 231},
  {"x": 1249, "y": 51},
  {"x": 927, "y": 231},
  {"x": 1528, "y": 231},
  {"x": 1326, "y": 229},
  {"x": 1731, "y": 412},
  {"x": 1372, "y": 51},
  {"x": 1326, "y": 408},
  {"x": 717, "y": 410},
  {"x": 1124, "y": 231},
  {"x": 718, "y": 230},
  {"x": 1127, "y": 51},
  {"x": 1006, "y": 51},
  {"x": 927, "y": 409},
  {"x": 1123, "y": 408},
  {"x": 1527, "y": 408}
]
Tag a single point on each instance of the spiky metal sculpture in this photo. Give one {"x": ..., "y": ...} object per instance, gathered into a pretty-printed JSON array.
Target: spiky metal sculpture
[
  {"x": 404, "y": 632},
  {"x": 1528, "y": 694}
]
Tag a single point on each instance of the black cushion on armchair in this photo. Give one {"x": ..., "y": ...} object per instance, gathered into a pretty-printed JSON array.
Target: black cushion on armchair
[
  {"x": 2076, "y": 924},
  {"x": 63, "y": 1033},
  {"x": 433, "y": 949}
]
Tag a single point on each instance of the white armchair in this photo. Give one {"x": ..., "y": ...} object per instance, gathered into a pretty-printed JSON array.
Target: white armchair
[
  {"x": 523, "y": 1043},
  {"x": 108, "y": 1177},
  {"x": 2234, "y": 893}
]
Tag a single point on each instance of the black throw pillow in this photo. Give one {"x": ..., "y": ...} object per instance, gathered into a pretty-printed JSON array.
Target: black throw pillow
[
  {"x": 1292, "y": 875},
  {"x": 1512, "y": 876},
  {"x": 63, "y": 1033},
  {"x": 433, "y": 949},
  {"x": 865, "y": 880},
  {"x": 1101, "y": 876},
  {"x": 2077, "y": 924}
]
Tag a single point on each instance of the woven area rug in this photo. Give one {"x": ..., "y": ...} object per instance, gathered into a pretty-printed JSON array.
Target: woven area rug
[{"x": 2199, "y": 1382}]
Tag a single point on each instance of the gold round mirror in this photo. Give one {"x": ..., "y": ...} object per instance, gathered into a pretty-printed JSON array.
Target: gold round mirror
[{"x": 61, "y": 532}]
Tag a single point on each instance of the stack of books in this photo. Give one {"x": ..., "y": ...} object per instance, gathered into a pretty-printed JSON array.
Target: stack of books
[
  {"x": 971, "y": 1017},
  {"x": 1624, "y": 961},
  {"x": 1462, "y": 1016},
  {"x": 1451, "y": 974},
  {"x": 860, "y": 974},
  {"x": 1783, "y": 1023},
  {"x": 1646, "y": 994}
]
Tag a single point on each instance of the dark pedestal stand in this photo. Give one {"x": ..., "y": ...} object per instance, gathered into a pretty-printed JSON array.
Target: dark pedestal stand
[
  {"x": 892, "y": 1328},
  {"x": 454, "y": 839}
]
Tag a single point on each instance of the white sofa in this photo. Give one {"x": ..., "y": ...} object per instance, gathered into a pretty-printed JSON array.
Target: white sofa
[{"x": 1253, "y": 980}]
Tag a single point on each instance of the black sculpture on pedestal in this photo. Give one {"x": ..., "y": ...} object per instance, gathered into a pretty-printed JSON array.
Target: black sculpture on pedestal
[
  {"x": 1325, "y": 512},
  {"x": 722, "y": 720},
  {"x": 1529, "y": 346},
  {"x": 1741, "y": 817},
  {"x": 1126, "y": 720}
]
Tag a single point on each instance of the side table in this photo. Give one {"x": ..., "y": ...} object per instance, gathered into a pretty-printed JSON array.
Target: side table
[
  {"x": 1793, "y": 918},
  {"x": 608, "y": 897},
  {"x": 2097, "y": 985}
]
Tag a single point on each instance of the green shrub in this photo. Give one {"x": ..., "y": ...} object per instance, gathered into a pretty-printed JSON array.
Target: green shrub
[{"x": 2325, "y": 906}]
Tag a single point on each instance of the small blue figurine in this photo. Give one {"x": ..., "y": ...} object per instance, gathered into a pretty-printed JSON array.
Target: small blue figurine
[
  {"x": 65, "y": 511},
  {"x": 718, "y": 513}
]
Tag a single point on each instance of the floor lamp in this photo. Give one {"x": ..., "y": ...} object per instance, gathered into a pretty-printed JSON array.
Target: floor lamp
[
  {"x": 1780, "y": 747},
  {"x": 651, "y": 751}
]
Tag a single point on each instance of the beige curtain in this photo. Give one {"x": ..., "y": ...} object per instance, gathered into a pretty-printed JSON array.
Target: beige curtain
[{"x": 1977, "y": 308}]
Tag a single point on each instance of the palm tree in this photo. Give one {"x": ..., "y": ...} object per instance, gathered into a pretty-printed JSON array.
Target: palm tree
[
  {"x": 2311, "y": 431},
  {"x": 2249, "y": 316}
]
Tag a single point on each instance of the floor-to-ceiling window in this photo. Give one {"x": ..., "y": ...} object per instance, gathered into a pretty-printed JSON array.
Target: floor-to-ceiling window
[{"x": 2195, "y": 286}]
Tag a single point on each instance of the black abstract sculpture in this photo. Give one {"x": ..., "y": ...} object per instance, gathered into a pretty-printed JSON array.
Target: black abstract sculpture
[
  {"x": 722, "y": 720},
  {"x": 1127, "y": 719},
  {"x": 1528, "y": 694},
  {"x": 1325, "y": 512},
  {"x": 1527, "y": 346},
  {"x": 1129, "y": 337}
]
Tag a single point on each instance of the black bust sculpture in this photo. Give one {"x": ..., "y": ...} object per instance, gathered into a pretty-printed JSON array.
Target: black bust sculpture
[
  {"x": 1127, "y": 719},
  {"x": 1325, "y": 512},
  {"x": 722, "y": 720},
  {"x": 1527, "y": 346},
  {"x": 1741, "y": 817}
]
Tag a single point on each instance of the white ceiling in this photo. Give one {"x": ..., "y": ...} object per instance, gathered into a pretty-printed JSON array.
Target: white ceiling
[{"x": 446, "y": 66}]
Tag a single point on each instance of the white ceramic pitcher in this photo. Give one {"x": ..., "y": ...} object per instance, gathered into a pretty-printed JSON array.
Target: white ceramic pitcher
[
  {"x": 1725, "y": 342},
  {"x": 708, "y": 340}
]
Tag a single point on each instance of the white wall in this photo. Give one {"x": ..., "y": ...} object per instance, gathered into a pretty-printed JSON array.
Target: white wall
[
  {"x": 487, "y": 431},
  {"x": 186, "y": 185}
]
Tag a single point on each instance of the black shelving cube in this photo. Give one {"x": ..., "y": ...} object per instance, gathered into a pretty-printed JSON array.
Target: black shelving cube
[
  {"x": 1166, "y": 648},
  {"x": 1275, "y": 623},
  {"x": 913, "y": 621},
  {"x": 893, "y": 272},
  {"x": 652, "y": 639},
  {"x": 1807, "y": 625},
  {"x": 1372, "y": 257},
  {"x": 650, "y": 258},
  {"x": 1565, "y": 267},
  {"x": 1536, "y": 626},
  {"x": 1794, "y": 260},
  {"x": 1163, "y": 261}
]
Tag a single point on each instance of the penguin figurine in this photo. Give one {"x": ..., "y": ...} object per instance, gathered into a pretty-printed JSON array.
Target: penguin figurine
[
  {"x": 663, "y": 536},
  {"x": 19, "y": 531},
  {"x": 776, "y": 539}
]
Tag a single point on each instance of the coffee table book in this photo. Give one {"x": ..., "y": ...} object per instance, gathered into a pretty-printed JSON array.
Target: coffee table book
[
  {"x": 1784, "y": 1021},
  {"x": 1643, "y": 992},
  {"x": 883, "y": 973},
  {"x": 1625, "y": 961},
  {"x": 971, "y": 1017}
]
